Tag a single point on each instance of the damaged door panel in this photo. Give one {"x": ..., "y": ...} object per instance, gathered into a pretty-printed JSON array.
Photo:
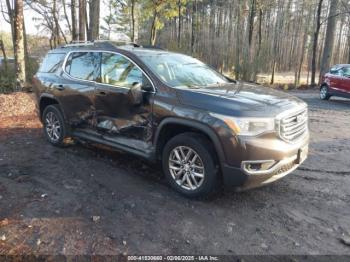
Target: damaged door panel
[
  {"x": 78, "y": 98},
  {"x": 123, "y": 109}
]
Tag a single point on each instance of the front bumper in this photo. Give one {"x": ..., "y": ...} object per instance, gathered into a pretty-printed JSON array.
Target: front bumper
[{"x": 266, "y": 170}]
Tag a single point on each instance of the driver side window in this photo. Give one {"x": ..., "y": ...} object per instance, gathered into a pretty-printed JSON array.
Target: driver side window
[{"x": 119, "y": 71}]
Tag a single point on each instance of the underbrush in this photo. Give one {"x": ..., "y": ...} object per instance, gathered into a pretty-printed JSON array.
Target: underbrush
[
  {"x": 8, "y": 76},
  {"x": 7, "y": 80}
]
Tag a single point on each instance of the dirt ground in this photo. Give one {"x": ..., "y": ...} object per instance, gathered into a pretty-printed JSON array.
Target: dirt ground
[{"x": 87, "y": 200}]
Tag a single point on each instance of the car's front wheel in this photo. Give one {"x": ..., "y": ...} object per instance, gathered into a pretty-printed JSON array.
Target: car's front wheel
[
  {"x": 190, "y": 166},
  {"x": 54, "y": 127},
  {"x": 324, "y": 94}
]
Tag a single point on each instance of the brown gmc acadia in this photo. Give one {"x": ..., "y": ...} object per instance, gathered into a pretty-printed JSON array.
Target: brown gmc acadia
[{"x": 205, "y": 128}]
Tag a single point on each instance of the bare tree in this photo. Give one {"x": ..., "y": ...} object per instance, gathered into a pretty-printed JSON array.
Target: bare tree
[
  {"x": 19, "y": 46},
  {"x": 330, "y": 35},
  {"x": 74, "y": 20},
  {"x": 9, "y": 17},
  {"x": 94, "y": 19},
  {"x": 2, "y": 48},
  {"x": 315, "y": 43},
  {"x": 82, "y": 20},
  {"x": 134, "y": 21}
]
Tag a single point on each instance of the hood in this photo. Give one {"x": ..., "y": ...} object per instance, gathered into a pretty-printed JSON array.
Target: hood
[{"x": 239, "y": 99}]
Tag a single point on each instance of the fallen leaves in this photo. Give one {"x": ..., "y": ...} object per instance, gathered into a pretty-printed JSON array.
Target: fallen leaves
[
  {"x": 4, "y": 222},
  {"x": 15, "y": 104}
]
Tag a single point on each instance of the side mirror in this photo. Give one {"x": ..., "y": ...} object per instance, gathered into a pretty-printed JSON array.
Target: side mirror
[
  {"x": 146, "y": 84},
  {"x": 135, "y": 94},
  {"x": 148, "y": 88}
]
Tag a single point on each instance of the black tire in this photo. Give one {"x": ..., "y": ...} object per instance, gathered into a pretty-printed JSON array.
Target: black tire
[
  {"x": 324, "y": 93},
  {"x": 204, "y": 149},
  {"x": 54, "y": 110}
]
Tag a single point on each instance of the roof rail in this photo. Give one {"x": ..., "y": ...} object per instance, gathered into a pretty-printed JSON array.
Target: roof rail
[
  {"x": 118, "y": 42},
  {"x": 77, "y": 43}
]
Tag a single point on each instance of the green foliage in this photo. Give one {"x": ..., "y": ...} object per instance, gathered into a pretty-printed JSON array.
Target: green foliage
[
  {"x": 7, "y": 80},
  {"x": 161, "y": 9},
  {"x": 7, "y": 39},
  {"x": 8, "y": 76},
  {"x": 32, "y": 67}
]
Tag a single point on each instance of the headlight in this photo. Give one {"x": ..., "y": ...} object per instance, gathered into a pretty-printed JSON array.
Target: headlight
[{"x": 248, "y": 126}]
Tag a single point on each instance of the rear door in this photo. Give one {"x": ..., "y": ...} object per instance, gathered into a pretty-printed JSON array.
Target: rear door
[
  {"x": 80, "y": 72},
  {"x": 118, "y": 118},
  {"x": 47, "y": 80}
]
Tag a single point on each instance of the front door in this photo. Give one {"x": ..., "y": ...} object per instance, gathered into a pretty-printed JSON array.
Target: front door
[
  {"x": 346, "y": 79},
  {"x": 118, "y": 118}
]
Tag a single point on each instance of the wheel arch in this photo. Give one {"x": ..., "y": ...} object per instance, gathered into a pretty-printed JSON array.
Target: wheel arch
[
  {"x": 173, "y": 126},
  {"x": 46, "y": 100},
  {"x": 324, "y": 84}
]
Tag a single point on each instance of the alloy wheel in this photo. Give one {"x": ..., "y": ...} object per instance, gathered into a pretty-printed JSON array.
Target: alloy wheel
[
  {"x": 186, "y": 167},
  {"x": 323, "y": 92},
  {"x": 53, "y": 127}
]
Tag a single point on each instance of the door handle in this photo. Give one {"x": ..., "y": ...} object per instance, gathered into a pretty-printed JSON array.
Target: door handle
[
  {"x": 59, "y": 87},
  {"x": 101, "y": 93}
]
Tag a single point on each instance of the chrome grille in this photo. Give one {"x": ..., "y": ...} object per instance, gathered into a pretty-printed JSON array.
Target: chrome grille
[{"x": 294, "y": 126}]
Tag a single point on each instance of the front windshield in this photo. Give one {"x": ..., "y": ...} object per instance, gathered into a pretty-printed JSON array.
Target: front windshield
[{"x": 178, "y": 70}]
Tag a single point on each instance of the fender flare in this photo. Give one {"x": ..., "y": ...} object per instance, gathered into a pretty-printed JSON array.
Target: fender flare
[
  {"x": 324, "y": 84},
  {"x": 51, "y": 96},
  {"x": 197, "y": 125}
]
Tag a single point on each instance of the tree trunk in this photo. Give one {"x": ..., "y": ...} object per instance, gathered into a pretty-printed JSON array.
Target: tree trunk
[
  {"x": 94, "y": 20},
  {"x": 251, "y": 22},
  {"x": 179, "y": 26},
  {"x": 330, "y": 34},
  {"x": 237, "y": 51},
  {"x": 2, "y": 47},
  {"x": 82, "y": 20},
  {"x": 62, "y": 33},
  {"x": 11, "y": 14},
  {"x": 273, "y": 72},
  {"x": 133, "y": 22},
  {"x": 19, "y": 46},
  {"x": 336, "y": 59},
  {"x": 153, "y": 37},
  {"x": 74, "y": 20},
  {"x": 57, "y": 25},
  {"x": 66, "y": 15},
  {"x": 193, "y": 26},
  {"x": 26, "y": 53},
  {"x": 349, "y": 49},
  {"x": 315, "y": 43}
]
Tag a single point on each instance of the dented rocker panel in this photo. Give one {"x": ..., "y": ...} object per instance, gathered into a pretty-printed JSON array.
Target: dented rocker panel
[{"x": 107, "y": 114}]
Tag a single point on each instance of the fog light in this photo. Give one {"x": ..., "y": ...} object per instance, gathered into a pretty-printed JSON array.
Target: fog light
[{"x": 254, "y": 166}]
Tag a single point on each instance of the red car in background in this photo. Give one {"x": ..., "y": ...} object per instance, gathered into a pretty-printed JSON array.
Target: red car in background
[{"x": 336, "y": 82}]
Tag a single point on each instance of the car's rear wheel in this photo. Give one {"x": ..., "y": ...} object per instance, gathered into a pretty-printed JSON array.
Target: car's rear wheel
[
  {"x": 190, "y": 166},
  {"x": 324, "y": 94},
  {"x": 54, "y": 127}
]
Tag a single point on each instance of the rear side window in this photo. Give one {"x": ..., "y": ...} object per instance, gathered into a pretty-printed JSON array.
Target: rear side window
[
  {"x": 83, "y": 65},
  {"x": 51, "y": 63}
]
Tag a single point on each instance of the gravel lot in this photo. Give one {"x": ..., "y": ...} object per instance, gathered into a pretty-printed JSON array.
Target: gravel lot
[{"x": 89, "y": 200}]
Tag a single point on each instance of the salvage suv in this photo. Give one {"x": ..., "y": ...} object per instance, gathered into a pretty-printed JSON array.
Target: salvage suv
[{"x": 205, "y": 128}]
